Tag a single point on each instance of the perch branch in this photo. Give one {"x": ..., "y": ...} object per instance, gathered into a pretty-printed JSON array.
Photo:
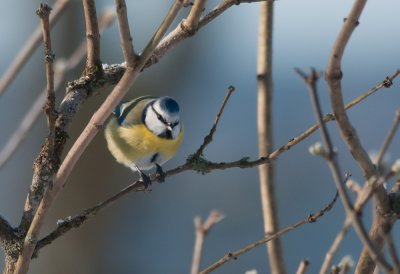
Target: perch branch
[
  {"x": 201, "y": 230},
  {"x": 234, "y": 255},
  {"x": 30, "y": 46},
  {"x": 62, "y": 67},
  {"x": 93, "y": 62},
  {"x": 331, "y": 158}
]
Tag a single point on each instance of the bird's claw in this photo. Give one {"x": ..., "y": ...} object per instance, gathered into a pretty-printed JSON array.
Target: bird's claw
[
  {"x": 160, "y": 174},
  {"x": 145, "y": 180}
]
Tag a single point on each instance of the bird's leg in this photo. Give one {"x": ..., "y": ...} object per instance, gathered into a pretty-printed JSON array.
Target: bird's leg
[
  {"x": 143, "y": 177},
  {"x": 160, "y": 174}
]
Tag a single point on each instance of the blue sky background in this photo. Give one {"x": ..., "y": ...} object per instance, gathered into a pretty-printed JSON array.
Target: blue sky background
[{"x": 153, "y": 232}]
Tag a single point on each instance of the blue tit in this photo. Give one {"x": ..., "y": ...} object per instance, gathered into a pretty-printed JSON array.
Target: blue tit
[{"x": 144, "y": 133}]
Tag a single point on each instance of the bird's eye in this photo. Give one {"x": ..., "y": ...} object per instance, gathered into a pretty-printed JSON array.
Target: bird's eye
[{"x": 175, "y": 124}]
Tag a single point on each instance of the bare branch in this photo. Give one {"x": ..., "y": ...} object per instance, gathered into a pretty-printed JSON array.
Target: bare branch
[
  {"x": 156, "y": 39},
  {"x": 366, "y": 264},
  {"x": 62, "y": 67},
  {"x": 234, "y": 255},
  {"x": 265, "y": 92},
  {"x": 331, "y": 158},
  {"x": 181, "y": 33},
  {"x": 333, "y": 77},
  {"x": 245, "y": 163},
  {"x": 191, "y": 23},
  {"x": 65, "y": 225},
  {"x": 201, "y": 230},
  {"x": 50, "y": 109},
  {"x": 30, "y": 46},
  {"x": 93, "y": 62},
  {"x": 208, "y": 138},
  {"x": 302, "y": 269},
  {"x": 125, "y": 34}
]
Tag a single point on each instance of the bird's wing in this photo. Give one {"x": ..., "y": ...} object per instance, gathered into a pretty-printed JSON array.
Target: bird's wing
[{"x": 130, "y": 113}]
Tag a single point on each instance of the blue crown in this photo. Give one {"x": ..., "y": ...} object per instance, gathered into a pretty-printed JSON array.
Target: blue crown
[{"x": 169, "y": 105}]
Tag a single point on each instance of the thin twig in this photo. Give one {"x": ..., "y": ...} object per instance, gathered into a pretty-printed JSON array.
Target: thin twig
[
  {"x": 234, "y": 255},
  {"x": 208, "y": 138},
  {"x": 201, "y": 230},
  {"x": 44, "y": 13},
  {"x": 30, "y": 46},
  {"x": 302, "y": 269},
  {"x": 157, "y": 37},
  {"x": 62, "y": 67},
  {"x": 69, "y": 223},
  {"x": 362, "y": 198},
  {"x": 125, "y": 34},
  {"x": 93, "y": 62},
  {"x": 388, "y": 139},
  {"x": 331, "y": 158},
  {"x": 84, "y": 139},
  {"x": 329, "y": 117}
]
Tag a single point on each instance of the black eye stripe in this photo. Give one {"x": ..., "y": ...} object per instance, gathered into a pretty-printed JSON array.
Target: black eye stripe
[{"x": 159, "y": 117}]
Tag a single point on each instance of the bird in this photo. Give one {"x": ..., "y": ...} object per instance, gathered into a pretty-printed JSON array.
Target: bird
[{"x": 144, "y": 133}]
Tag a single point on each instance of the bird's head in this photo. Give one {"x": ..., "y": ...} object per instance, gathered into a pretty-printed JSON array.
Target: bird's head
[{"x": 161, "y": 116}]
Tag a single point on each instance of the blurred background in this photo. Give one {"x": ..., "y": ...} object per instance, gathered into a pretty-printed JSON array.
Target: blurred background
[{"x": 153, "y": 232}]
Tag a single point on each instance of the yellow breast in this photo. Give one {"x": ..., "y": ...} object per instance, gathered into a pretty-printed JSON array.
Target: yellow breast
[{"x": 130, "y": 144}]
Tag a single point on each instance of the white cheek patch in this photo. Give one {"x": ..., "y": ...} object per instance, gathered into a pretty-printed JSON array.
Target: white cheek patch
[{"x": 153, "y": 123}]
